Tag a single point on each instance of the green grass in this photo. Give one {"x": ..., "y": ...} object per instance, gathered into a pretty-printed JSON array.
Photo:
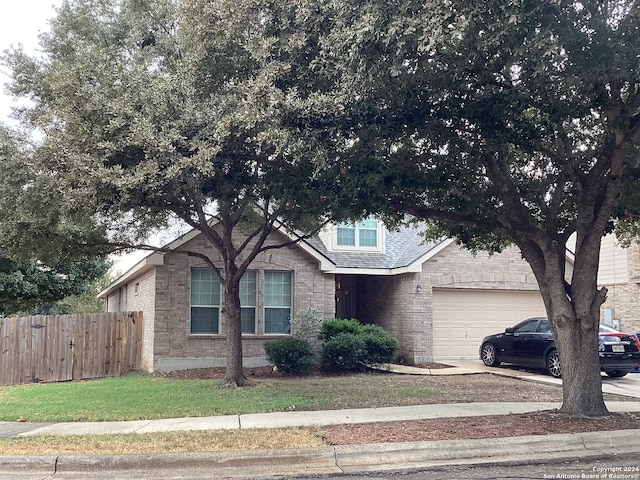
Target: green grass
[
  {"x": 135, "y": 398},
  {"x": 148, "y": 397}
]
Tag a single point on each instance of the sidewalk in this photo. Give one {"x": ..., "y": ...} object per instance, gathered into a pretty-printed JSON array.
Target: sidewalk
[{"x": 322, "y": 460}]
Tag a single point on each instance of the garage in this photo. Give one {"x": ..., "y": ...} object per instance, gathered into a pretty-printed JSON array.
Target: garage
[{"x": 463, "y": 317}]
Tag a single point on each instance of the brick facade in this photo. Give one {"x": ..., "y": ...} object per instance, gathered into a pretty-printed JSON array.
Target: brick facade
[
  {"x": 624, "y": 293},
  {"x": 402, "y": 304},
  {"x": 401, "y": 301},
  {"x": 164, "y": 296}
]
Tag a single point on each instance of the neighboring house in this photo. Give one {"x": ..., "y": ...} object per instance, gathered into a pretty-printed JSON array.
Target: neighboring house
[
  {"x": 620, "y": 273},
  {"x": 436, "y": 298}
]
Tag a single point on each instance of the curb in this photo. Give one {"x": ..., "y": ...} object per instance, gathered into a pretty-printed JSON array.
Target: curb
[
  {"x": 327, "y": 460},
  {"x": 476, "y": 451}
]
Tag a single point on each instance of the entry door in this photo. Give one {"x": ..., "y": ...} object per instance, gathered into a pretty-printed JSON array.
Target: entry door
[{"x": 346, "y": 297}]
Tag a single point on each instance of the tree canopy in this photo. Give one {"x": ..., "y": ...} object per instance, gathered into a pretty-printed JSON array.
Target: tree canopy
[
  {"x": 30, "y": 287},
  {"x": 152, "y": 110},
  {"x": 48, "y": 248},
  {"x": 500, "y": 122}
]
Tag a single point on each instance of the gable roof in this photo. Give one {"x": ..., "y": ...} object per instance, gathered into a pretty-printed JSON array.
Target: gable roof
[{"x": 406, "y": 251}]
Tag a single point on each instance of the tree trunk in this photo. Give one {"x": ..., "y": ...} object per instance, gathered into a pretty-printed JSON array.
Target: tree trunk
[
  {"x": 577, "y": 343},
  {"x": 231, "y": 314},
  {"x": 574, "y": 311}
]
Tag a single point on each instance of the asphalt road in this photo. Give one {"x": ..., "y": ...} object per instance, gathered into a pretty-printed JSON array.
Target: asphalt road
[{"x": 595, "y": 468}]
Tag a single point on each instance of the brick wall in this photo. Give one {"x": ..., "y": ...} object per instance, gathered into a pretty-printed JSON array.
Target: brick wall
[
  {"x": 624, "y": 296},
  {"x": 405, "y": 311},
  {"x": 139, "y": 294},
  {"x": 176, "y": 348},
  {"x": 455, "y": 267},
  {"x": 392, "y": 303}
]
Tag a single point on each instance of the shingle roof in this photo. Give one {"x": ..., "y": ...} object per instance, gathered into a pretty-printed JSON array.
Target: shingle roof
[{"x": 402, "y": 248}]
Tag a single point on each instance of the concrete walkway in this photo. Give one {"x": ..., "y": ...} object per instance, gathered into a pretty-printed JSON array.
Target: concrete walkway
[
  {"x": 300, "y": 419},
  {"x": 322, "y": 460}
]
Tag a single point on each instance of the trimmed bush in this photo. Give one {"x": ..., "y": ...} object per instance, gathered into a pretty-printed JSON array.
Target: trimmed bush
[
  {"x": 291, "y": 355},
  {"x": 348, "y": 345},
  {"x": 344, "y": 351},
  {"x": 380, "y": 346},
  {"x": 333, "y": 328}
]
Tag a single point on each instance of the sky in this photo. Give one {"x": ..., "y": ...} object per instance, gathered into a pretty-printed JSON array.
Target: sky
[{"x": 20, "y": 23}]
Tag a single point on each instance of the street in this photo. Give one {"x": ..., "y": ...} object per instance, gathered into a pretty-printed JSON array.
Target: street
[{"x": 620, "y": 467}]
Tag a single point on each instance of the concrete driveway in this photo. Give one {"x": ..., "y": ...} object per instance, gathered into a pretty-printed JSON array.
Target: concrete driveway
[{"x": 628, "y": 385}]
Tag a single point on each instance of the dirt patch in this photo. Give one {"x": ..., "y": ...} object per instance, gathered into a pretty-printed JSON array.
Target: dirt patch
[
  {"x": 260, "y": 372},
  {"x": 206, "y": 373},
  {"x": 474, "y": 427}
]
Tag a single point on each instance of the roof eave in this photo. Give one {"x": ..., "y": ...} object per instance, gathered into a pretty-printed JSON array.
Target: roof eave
[
  {"x": 147, "y": 263},
  {"x": 374, "y": 271}
]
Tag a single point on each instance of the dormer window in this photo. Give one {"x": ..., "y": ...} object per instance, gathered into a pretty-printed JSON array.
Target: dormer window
[{"x": 361, "y": 234}]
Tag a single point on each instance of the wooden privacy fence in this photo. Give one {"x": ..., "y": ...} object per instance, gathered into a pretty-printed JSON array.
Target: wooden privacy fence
[{"x": 69, "y": 347}]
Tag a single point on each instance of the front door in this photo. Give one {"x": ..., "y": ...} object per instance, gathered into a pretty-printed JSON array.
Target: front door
[{"x": 346, "y": 297}]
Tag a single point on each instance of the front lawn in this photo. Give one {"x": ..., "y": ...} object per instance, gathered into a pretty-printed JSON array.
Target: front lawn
[{"x": 150, "y": 397}]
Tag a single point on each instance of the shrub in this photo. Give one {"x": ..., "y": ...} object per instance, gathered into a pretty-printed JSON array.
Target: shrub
[
  {"x": 380, "y": 346},
  {"x": 344, "y": 351},
  {"x": 291, "y": 355},
  {"x": 333, "y": 328},
  {"x": 349, "y": 345},
  {"x": 307, "y": 325}
]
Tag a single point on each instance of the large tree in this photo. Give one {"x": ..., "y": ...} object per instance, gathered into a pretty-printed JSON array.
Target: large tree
[
  {"x": 44, "y": 255},
  {"x": 501, "y": 122},
  {"x": 31, "y": 287},
  {"x": 151, "y": 110}
]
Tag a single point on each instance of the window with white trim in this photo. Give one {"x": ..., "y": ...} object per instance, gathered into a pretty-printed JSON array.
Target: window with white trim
[
  {"x": 277, "y": 302},
  {"x": 248, "y": 294},
  {"x": 205, "y": 301},
  {"x": 361, "y": 234}
]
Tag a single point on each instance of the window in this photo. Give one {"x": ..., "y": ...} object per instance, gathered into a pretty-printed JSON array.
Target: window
[
  {"x": 544, "y": 327},
  {"x": 361, "y": 234},
  {"x": 527, "y": 327},
  {"x": 248, "y": 302},
  {"x": 277, "y": 302},
  {"x": 205, "y": 301}
]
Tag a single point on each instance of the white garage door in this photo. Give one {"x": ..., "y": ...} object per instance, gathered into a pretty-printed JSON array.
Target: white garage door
[{"x": 462, "y": 318}]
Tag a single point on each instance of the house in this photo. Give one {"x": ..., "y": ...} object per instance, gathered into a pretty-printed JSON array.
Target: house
[
  {"x": 619, "y": 272},
  {"x": 436, "y": 298}
]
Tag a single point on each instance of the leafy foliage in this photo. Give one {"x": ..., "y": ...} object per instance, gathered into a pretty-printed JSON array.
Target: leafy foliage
[
  {"x": 34, "y": 288},
  {"x": 291, "y": 355},
  {"x": 379, "y": 345},
  {"x": 500, "y": 122},
  {"x": 348, "y": 345},
  {"x": 307, "y": 324},
  {"x": 152, "y": 110},
  {"x": 336, "y": 326},
  {"x": 344, "y": 351}
]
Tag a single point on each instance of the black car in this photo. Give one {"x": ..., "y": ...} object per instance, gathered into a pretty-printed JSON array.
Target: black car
[{"x": 530, "y": 344}]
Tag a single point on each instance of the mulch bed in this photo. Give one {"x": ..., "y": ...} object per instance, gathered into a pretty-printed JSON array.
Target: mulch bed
[
  {"x": 491, "y": 426},
  {"x": 256, "y": 372}
]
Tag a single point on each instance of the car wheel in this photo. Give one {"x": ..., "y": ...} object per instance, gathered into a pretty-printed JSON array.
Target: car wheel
[
  {"x": 489, "y": 355},
  {"x": 616, "y": 373},
  {"x": 553, "y": 364}
]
